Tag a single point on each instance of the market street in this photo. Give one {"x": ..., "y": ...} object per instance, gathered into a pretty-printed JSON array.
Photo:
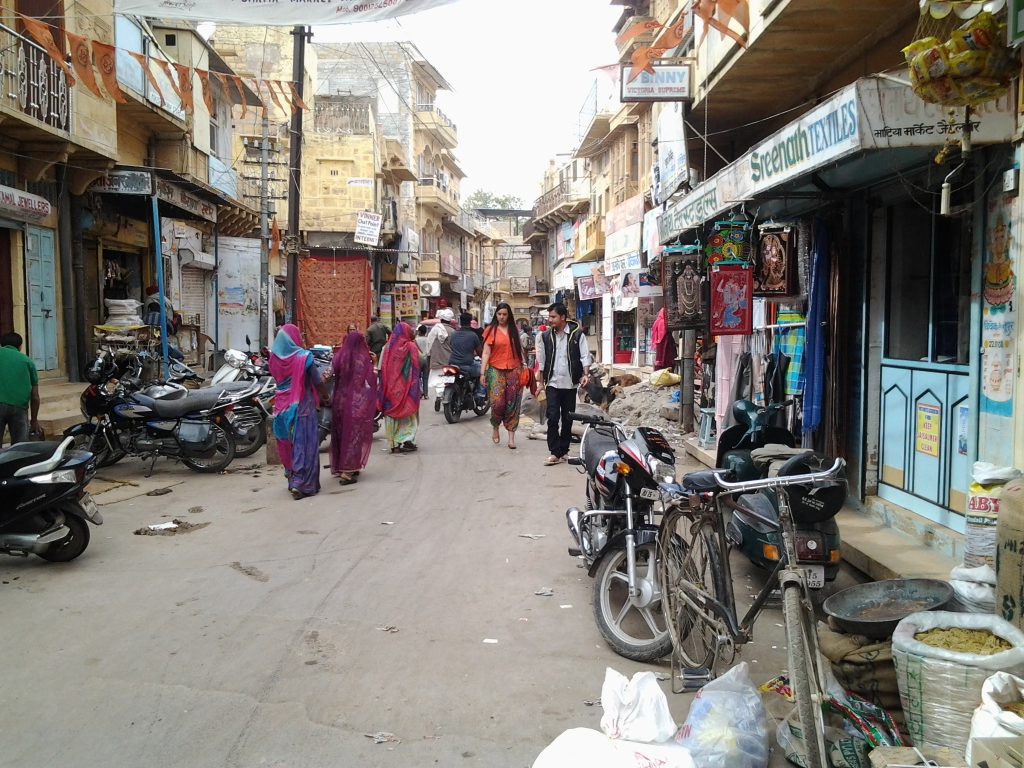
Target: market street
[{"x": 263, "y": 638}]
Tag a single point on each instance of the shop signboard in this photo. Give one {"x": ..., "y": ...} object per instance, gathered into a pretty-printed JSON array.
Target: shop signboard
[
  {"x": 23, "y": 206},
  {"x": 613, "y": 265},
  {"x": 673, "y": 163},
  {"x": 693, "y": 210},
  {"x": 123, "y": 181},
  {"x": 175, "y": 195},
  {"x": 368, "y": 228},
  {"x": 928, "y": 432},
  {"x": 623, "y": 215},
  {"x": 668, "y": 82}
]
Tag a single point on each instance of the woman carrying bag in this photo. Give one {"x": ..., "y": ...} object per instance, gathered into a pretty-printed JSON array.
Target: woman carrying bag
[{"x": 503, "y": 371}]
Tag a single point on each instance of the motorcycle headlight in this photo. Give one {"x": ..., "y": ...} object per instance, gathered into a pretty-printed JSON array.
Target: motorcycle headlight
[{"x": 661, "y": 471}]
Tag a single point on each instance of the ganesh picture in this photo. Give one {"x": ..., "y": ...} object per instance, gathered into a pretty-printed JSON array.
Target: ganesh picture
[{"x": 999, "y": 278}]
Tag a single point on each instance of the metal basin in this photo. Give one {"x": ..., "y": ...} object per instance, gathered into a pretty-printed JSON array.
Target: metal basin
[{"x": 874, "y": 609}]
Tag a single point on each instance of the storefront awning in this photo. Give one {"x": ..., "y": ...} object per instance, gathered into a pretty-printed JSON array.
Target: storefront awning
[{"x": 864, "y": 118}]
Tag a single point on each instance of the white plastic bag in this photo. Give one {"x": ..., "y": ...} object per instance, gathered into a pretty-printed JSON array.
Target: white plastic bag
[
  {"x": 586, "y": 748},
  {"x": 727, "y": 726},
  {"x": 985, "y": 473},
  {"x": 939, "y": 688},
  {"x": 990, "y": 719},
  {"x": 635, "y": 709},
  {"x": 974, "y": 589}
]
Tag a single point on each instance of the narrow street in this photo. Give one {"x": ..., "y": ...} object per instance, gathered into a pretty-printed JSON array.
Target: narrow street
[{"x": 262, "y": 638}]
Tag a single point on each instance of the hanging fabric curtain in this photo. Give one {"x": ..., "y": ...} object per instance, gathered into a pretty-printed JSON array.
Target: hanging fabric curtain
[{"x": 817, "y": 316}]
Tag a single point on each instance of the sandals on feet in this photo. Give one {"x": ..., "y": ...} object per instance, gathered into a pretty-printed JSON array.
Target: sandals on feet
[{"x": 550, "y": 461}]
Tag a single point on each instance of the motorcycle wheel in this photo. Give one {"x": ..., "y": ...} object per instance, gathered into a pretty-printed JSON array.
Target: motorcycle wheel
[
  {"x": 480, "y": 408},
  {"x": 97, "y": 446},
  {"x": 634, "y": 632},
  {"x": 224, "y": 454},
  {"x": 254, "y": 439},
  {"x": 453, "y": 408},
  {"x": 72, "y": 545}
]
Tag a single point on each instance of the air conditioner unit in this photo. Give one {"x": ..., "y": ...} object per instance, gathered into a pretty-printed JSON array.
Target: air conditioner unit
[{"x": 430, "y": 288}]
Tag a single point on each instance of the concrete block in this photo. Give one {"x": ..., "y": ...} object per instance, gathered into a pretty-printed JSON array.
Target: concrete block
[
  {"x": 273, "y": 459},
  {"x": 669, "y": 412}
]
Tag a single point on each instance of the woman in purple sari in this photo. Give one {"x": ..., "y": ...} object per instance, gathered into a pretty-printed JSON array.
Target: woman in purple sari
[
  {"x": 353, "y": 407},
  {"x": 299, "y": 391}
]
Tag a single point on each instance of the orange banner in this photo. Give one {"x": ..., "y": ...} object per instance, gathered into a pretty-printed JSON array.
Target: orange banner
[
  {"x": 141, "y": 58},
  {"x": 635, "y": 30},
  {"x": 204, "y": 86},
  {"x": 40, "y": 32},
  {"x": 296, "y": 99},
  {"x": 185, "y": 86},
  {"x": 106, "y": 63},
  {"x": 81, "y": 59},
  {"x": 241, "y": 92},
  {"x": 273, "y": 93}
]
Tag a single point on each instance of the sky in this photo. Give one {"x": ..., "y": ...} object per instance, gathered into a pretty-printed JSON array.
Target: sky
[{"x": 520, "y": 71}]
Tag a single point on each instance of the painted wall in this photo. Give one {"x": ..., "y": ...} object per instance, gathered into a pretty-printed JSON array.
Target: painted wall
[
  {"x": 338, "y": 181},
  {"x": 238, "y": 291}
]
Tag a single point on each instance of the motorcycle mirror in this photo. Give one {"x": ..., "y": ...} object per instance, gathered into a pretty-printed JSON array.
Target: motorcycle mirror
[{"x": 248, "y": 341}]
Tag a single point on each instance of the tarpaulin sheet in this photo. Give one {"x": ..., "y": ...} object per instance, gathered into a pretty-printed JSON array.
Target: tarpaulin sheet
[
  {"x": 277, "y": 12},
  {"x": 332, "y": 294}
]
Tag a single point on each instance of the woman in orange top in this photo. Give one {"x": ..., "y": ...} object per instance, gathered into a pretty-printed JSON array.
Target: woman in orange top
[{"x": 500, "y": 369}]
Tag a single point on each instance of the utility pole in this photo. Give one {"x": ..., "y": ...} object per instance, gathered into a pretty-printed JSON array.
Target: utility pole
[
  {"x": 301, "y": 34},
  {"x": 266, "y": 295}
]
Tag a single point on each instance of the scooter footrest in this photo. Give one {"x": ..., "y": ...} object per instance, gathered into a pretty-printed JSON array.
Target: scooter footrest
[{"x": 575, "y": 552}]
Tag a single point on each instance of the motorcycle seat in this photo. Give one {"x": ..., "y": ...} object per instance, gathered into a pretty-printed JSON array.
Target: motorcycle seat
[
  {"x": 701, "y": 482},
  {"x": 595, "y": 446},
  {"x": 22, "y": 455},
  {"x": 200, "y": 400}
]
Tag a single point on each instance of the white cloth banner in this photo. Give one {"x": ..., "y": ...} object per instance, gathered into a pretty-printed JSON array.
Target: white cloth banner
[{"x": 277, "y": 12}]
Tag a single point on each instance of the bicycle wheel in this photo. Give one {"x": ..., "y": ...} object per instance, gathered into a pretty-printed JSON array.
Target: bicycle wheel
[
  {"x": 684, "y": 565},
  {"x": 803, "y": 672}
]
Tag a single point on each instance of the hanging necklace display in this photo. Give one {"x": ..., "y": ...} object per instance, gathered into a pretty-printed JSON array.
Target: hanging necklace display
[{"x": 775, "y": 260}]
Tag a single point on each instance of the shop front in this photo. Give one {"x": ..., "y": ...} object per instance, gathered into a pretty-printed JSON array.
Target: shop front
[{"x": 623, "y": 262}]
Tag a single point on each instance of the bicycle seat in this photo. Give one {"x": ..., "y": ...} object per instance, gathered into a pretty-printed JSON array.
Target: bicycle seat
[{"x": 701, "y": 482}]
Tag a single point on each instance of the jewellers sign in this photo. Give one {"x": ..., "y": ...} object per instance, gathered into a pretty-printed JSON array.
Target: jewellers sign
[
  {"x": 23, "y": 206},
  {"x": 276, "y": 12},
  {"x": 670, "y": 82}
]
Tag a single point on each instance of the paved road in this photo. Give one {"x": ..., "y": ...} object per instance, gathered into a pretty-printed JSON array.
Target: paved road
[{"x": 257, "y": 640}]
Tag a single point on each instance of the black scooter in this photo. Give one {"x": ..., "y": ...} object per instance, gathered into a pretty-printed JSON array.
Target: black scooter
[
  {"x": 461, "y": 393},
  {"x": 43, "y": 502}
]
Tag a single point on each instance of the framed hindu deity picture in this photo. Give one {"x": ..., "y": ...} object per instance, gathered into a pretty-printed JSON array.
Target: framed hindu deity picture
[
  {"x": 732, "y": 297},
  {"x": 775, "y": 261},
  {"x": 684, "y": 291}
]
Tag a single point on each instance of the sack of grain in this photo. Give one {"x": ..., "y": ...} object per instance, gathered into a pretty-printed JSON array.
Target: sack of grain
[{"x": 939, "y": 686}]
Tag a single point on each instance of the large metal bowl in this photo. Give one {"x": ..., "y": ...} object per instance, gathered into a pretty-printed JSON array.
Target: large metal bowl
[{"x": 874, "y": 609}]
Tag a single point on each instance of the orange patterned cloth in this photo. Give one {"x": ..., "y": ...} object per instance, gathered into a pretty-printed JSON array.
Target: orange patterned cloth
[{"x": 332, "y": 294}]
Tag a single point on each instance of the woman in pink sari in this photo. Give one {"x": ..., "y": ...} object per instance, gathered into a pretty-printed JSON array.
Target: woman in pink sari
[{"x": 353, "y": 407}]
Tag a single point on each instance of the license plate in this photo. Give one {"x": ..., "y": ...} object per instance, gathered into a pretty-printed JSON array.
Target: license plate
[
  {"x": 91, "y": 510},
  {"x": 650, "y": 494},
  {"x": 446, "y": 380},
  {"x": 814, "y": 575}
]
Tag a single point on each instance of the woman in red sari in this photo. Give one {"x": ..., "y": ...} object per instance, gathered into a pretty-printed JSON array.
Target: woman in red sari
[
  {"x": 353, "y": 407},
  {"x": 400, "y": 389}
]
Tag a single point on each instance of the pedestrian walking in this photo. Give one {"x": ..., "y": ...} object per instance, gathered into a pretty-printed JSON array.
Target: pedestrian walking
[
  {"x": 400, "y": 389},
  {"x": 502, "y": 371},
  {"x": 353, "y": 406},
  {"x": 19, "y": 390},
  {"x": 299, "y": 390},
  {"x": 377, "y": 336},
  {"x": 423, "y": 344},
  {"x": 562, "y": 362}
]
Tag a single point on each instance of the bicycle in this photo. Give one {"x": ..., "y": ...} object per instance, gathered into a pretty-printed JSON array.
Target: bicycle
[{"x": 697, "y": 590}]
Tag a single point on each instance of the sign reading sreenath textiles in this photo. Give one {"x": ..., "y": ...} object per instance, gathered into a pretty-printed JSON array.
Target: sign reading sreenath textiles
[{"x": 276, "y": 12}]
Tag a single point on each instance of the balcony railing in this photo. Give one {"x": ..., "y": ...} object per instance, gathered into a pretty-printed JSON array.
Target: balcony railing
[
  {"x": 441, "y": 116},
  {"x": 567, "y": 193},
  {"x": 593, "y": 238},
  {"x": 342, "y": 119},
  {"x": 35, "y": 86}
]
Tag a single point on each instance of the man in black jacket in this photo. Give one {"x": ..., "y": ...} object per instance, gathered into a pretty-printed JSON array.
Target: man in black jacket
[{"x": 562, "y": 361}]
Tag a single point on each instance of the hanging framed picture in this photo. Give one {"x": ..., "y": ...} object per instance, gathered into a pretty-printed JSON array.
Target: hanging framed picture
[
  {"x": 729, "y": 243},
  {"x": 732, "y": 296},
  {"x": 775, "y": 261},
  {"x": 684, "y": 291}
]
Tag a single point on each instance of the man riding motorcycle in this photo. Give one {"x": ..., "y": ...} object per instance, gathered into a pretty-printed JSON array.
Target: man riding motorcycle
[{"x": 466, "y": 348}]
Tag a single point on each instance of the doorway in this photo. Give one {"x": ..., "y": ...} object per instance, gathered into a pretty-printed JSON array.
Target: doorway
[
  {"x": 42, "y": 297},
  {"x": 6, "y": 284}
]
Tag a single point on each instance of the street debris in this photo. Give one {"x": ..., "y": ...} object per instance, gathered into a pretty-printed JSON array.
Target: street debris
[
  {"x": 545, "y": 592},
  {"x": 388, "y": 628},
  {"x": 565, "y": 606},
  {"x": 533, "y": 536},
  {"x": 661, "y": 677},
  {"x": 160, "y": 492},
  {"x": 490, "y": 641},
  {"x": 196, "y": 510},
  {"x": 383, "y": 737},
  {"x": 252, "y": 573},
  {"x": 387, "y": 522},
  {"x": 171, "y": 528},
  {"x": 592, "y": 702}
]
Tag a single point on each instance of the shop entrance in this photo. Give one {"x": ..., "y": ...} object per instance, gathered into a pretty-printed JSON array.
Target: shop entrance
[
  {"x": 925, "y": 446},
  {"x": 625, "y": 337},
  {"x": 6, "y": 286},
  {"x": 42, "y": 298}
]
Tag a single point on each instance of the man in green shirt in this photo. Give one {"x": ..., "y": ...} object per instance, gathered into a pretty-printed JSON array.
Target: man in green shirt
[{"x": 19, "y": 389}]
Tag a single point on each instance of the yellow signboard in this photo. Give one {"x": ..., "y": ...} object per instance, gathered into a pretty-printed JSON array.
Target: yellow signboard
[{"x": 929, "y": 423}]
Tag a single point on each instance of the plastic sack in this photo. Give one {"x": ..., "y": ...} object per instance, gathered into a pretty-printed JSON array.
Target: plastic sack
[
  {"x": 727, "y": 726},
  {"x": 586, "y": 748},
  {"x": 985, "y": 473},
  {"x": 990, "y": 719},
  {"x": 974, "y": 589},
  {"x": 635, "y": 709},
  {"x": 664, "y": 378},
  {"x": 940, "y": 688}
]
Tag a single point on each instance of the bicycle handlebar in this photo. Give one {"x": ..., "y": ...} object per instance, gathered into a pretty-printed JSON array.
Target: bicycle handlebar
[
  {"x": 780, "y": 482},
  {"x": 584, "y": 419}
]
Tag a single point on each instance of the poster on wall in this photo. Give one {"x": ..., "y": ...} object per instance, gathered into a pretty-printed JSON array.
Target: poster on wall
[
  {"x": 387, "y": 310},
  {"x": 927, "y": 433},
  {"x": 684, "y": 291},
  {"x": 775, "y": 261},
  {"x": 998, "y": 327},
  {"x": 732, "y": 289},
  {"x": 585, "y": 290},
  {"x": 601, "y": 284}
]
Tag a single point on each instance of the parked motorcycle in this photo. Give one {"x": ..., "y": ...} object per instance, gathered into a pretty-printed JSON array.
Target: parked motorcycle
[
  {"x": 44, "y": 507},
  {"x": 459, "y": 392},
  {"x": 748, "y": 449},
  {"x": 616, "y": 535},
  {"x": 120, "y": 421}
]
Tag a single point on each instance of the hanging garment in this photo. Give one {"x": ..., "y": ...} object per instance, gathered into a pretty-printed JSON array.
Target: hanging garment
[
  {"x": 817, "y": 317},
  {"x": 791, "y": 342},
  {"x": 729, "y": 348}
]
